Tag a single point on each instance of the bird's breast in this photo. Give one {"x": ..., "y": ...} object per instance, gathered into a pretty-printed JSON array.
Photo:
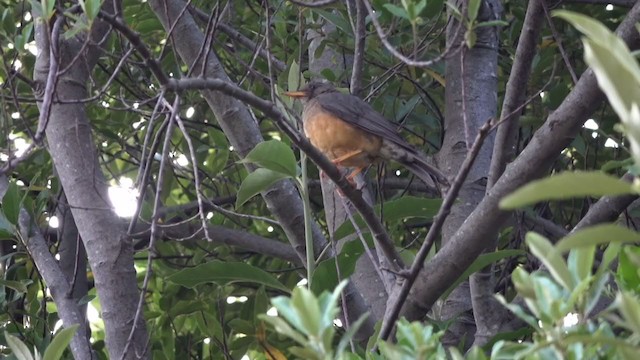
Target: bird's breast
[{"x": 335, "y": 138}]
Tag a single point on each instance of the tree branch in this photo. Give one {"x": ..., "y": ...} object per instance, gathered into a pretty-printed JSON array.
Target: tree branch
[
  {"x": 58, "y": 285},
  {"x": 470, "y": 240}
]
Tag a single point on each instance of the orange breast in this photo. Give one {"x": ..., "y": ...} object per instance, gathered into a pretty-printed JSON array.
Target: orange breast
[{"x": 336, "y": 138}]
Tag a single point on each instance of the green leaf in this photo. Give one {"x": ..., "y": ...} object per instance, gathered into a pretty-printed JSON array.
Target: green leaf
[
  {"x": 617, "y": 71},
  {"x": 325, "y": 277},
  {"x": 273, "y": 155},
  {"x": 567, "y": 185},
  {"x": 628, "y": 265},
  {"x": 11, "y": 203},
  {"x": 630, "y": 308},
  {"x": 294, "y": 76},
  {"x": 307, "y": 310},
  {"x": 257, "y": 181},
  {"x": 18, "y": 286},
  {"x": 91, "y": 8},
  {"x": 397, "y": 11},
  {"x": 455, "y": 12},
  {"x": 336, "y": 18},
  {"x": 597, "y": 235},
  {"x": 47, "y": 8},
  {"x": 19, "y": 349},
  {"x": 59, "y": 343},
  {"x": 492, "y": 23},
  {"x": 7, "y": 230},
  {"x": 223, "y": 273},
  {"x": 395, "y": 210},
  {"x": 473, "y": 9},
  {"x": 481, "y": 262},
  {"x": 580, "y": 261},
  {"x": 551, "y": 258}
]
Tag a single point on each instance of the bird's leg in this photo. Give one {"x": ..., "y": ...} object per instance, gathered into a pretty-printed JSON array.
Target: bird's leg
[
  {"x": 347, "y": 156},
  {"x": 351, "y": 177}
]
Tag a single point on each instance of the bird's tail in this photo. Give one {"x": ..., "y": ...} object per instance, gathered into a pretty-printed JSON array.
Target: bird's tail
[
  {"x": 415, "y": 161},
  {"x": 426, "y": 172}
]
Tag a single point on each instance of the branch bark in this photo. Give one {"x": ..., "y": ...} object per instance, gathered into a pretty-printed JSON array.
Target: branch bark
[
  {"x": 282, "y": 200},
  {"x": 68, "y": 308},
  {"x": 71, "y": 146},
  {"x": 555, "y": 134}
]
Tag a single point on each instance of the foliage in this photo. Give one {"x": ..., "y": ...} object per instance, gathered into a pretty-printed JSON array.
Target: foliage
[{"x": 208, "y": 299}]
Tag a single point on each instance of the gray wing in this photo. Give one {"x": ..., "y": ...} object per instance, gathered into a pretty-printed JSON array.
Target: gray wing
[{"x": 358, "y": 113}]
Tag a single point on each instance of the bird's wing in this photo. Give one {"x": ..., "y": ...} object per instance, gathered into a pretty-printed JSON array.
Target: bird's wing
[{"x": 358, "y": 113}]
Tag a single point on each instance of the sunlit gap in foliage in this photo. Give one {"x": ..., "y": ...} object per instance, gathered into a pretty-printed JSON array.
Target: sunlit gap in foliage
[
  {"x": 570, "y": 320},
  {"x": 53, "y": 222},
  {"x": 124, "y": 197},
  {"x": 610, "y": 143},
  {"x": 190, "y": 112},
  {"x": 239, "y": 299},
  {"x": 302, "y": 283},
  {"x": 272, "y": 311},
  {"x": 179, "y": 159},
  {"x": 591, "y": 125}
]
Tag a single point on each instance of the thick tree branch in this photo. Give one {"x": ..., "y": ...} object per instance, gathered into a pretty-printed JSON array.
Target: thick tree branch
[
  {"x": 58, "y": 285},
  {"x": 486, "y": 309},
  {"x": 236, "y": 121},
  {"x": 397, "y": 298},
  {"x": 70, "y": 143},
  {"x": 557, "y": 132}
]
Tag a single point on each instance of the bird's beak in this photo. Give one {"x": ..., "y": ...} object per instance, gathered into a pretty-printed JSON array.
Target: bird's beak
[{"x": 295, "y": 94}]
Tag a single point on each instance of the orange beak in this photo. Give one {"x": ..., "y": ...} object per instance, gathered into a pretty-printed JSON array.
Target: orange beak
[{"x": 295, "y": 94}]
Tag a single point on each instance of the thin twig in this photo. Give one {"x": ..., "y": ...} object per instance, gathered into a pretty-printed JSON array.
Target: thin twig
[
  {"x": 154, "y": 222},
  {"x": 316, "y": 4},
  {"x": 438, "y": 221}
]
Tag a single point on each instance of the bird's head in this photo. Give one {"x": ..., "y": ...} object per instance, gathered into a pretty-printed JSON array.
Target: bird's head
[{"x": 311, "y": 90}]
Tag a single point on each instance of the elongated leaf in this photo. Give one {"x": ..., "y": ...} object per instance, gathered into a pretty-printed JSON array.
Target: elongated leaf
[
  {"x": 294, "y": 76},
  {"x": 19, "y": 349},
  {"x": 11, "y": 203},
  {"x": 566, "y": 186},
  {"x": 394, "y": 210},
  {"x": 630, "y": 308},
  {"x": 255, "y": 182},
  {"x": 473, "y": 9},
  {"x": 617, "y": 71},
  {"x": 273, "y": 155},
  {"x": 481, "y": 262},
  {"x": 59, "y": 343},
  {"x": 325, "y": 277},
  {"x": 224, "y": 273},
  {"x": 551, "y": 258},
  {"x": 397, "y": 11},
  {"x": 7, "y": 230},
  {"x": 597, "y": 235},
  {"x": 15, "y": 285},
  {"x": 580, "y": 261}
]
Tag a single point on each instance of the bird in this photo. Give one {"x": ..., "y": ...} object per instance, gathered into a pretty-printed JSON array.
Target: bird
[{"x": 350, "y": 133}]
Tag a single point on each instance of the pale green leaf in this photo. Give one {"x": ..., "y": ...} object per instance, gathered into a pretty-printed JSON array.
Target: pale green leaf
[
  {"x": 59, "y": 343},
  {"x": 19, "y": 349},
  {"x": 597, "y": 235},
  {"x": 544, "y": 250},
  {"x": 567, "y": 185}
]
